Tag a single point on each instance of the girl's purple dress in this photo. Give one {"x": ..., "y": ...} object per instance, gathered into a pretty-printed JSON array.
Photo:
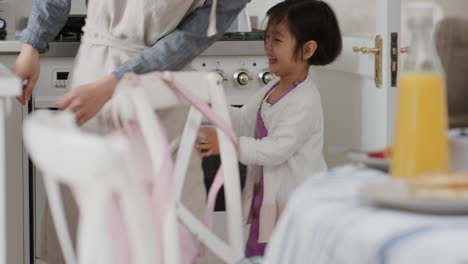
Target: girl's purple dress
[{"x": 253, "y": 248}]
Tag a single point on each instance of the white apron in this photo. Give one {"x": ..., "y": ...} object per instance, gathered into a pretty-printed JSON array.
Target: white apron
[{"x": 115, "y": 32}]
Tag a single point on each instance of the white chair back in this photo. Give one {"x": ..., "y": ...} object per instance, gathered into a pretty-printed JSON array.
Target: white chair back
[
  {"x": 197, "y": 90},
  {"x": 98, "y": 167}
]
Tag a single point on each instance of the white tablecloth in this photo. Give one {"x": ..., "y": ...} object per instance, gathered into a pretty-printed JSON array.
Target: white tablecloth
[{"x": 327, "y": 222}]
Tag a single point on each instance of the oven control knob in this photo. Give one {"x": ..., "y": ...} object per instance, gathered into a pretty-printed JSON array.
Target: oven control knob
[
  {"x": 265, "y": 77},
  {"x": 242, "y": 77},
  {"x": 222, "y": 75}
]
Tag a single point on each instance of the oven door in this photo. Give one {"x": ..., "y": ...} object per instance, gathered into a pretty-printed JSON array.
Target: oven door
[{"x": 210, "y": 168}]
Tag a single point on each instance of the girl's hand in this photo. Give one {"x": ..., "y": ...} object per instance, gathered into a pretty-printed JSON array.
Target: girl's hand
[
  {"x": 27, "y": 68},
  {"x": 87, "y": 100},
  {"x": 207, "y": 143}
]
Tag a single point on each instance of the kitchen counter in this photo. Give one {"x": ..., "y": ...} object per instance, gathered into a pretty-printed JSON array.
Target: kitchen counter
[
  {"x": 9, "y": 46},
  {"x": 57, "y": 49},
  {"x": 69, "y": 49}
]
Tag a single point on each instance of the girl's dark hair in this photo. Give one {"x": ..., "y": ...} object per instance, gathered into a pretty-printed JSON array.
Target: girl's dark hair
[{"x": 310, "y": 20}]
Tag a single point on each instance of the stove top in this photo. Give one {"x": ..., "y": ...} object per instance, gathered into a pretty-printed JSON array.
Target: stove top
[
  {"x": 256, "y": 35},
  {"x": 72, "y": 32}
]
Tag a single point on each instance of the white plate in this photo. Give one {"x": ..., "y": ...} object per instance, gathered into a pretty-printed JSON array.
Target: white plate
[
  {"x": 375, "y": 163},
  {"x": 395, "y": 193}
]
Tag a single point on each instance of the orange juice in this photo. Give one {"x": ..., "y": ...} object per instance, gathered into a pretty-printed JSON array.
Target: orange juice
[{"x": 421, "y": 143}]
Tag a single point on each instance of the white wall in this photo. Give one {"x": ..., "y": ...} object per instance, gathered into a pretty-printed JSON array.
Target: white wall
[
  {"x": 357, "y": 17},
  {"x": 342, "y": 7},
  {"x": 259, "y": 7},
  {"x": 23, "y": 7},
  {"x": 16, "y": 10}
]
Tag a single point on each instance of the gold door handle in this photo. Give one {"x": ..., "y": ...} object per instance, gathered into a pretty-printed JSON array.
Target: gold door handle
[
  {"x": 404, "y": 49},
  {"x": 377, "y": 51},
  {"x": 365, "y": 50}
]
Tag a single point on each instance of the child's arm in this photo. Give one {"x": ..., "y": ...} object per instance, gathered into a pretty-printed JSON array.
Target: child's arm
[
  {"x": 284, "y": 138},
  {"x": 207, "y": 141}
]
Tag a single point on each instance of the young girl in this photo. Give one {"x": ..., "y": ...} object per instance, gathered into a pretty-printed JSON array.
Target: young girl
[{"x": 281, "y": 128}]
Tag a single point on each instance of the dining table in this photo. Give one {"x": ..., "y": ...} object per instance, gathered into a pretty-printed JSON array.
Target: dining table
[{"x": 328, "y": 219}]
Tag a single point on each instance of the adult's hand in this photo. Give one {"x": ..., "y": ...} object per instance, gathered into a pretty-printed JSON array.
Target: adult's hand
[
  {"x": 87, "y": 100},
  {"x": 27, "y": 68}
]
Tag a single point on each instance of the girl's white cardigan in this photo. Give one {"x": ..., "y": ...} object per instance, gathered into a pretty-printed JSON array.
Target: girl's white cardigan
[{"x": 290, "y": 153}]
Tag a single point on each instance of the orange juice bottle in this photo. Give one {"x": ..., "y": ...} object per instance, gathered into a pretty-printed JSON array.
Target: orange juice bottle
[{"x": 421, "y": 143}]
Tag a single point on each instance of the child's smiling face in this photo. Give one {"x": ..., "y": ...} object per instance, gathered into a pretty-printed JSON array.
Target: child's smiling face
[{"x": 280, "y": 47}]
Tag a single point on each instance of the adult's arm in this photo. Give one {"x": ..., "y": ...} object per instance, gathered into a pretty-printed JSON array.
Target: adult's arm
[
  {"x": 187, "y": 41},
  {"x": 45, "y": 21}
]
